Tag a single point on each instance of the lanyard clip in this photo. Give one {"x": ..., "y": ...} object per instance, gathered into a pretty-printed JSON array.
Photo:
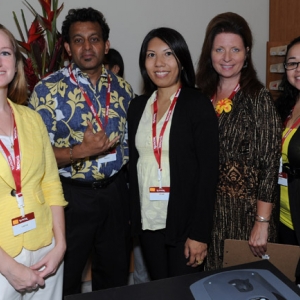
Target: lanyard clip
[
  {"x": 159, "y": 176},
  {"x": 20, "y": 200}
]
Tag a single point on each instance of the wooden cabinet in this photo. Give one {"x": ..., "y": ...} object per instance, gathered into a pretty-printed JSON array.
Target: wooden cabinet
[
  {"x": 284, "y": 26},
  {"x": 284, "y": 22},
  {"x": 274, "y": 69}
]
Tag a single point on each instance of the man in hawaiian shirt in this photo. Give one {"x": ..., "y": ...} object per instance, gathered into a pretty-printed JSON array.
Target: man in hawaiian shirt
[{"x": 84, "y": 108}]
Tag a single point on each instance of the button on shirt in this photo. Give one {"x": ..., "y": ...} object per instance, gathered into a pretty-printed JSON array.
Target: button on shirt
[{"x": 58, "y": 99}]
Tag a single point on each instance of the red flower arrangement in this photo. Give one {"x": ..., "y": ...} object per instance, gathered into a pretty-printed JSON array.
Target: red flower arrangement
[{"x": 43, "y": 49}]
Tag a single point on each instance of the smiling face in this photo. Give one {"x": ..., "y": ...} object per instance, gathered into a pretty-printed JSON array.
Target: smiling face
[
  {"x": 7, "y": 61},
  {"x": 161, "y": 65},
  {"x": 228, "y": 55},
  {"x": 293, "y": 76},
  {"x": 87, "y": 46}
]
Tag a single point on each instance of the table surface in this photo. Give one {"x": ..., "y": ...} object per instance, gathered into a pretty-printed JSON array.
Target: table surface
[{"x": 173, "y": 288}]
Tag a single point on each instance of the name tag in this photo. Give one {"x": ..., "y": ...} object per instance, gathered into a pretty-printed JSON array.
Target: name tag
[
  {"x": 157, "y": 193},
  {"x": 282, "y": 177},
  {"x": 23, "y": 224},
  {"x": 112, "y": 156}
]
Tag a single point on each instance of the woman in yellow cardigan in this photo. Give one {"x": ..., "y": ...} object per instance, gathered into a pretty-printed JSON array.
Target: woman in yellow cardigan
[{"x": 32, "y": 233}]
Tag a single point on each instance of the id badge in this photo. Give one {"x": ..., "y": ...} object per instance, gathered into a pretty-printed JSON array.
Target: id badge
[
  {"x": 23, "y": 224},
  {"x": 112, "y": 156},
  {"x": 282, "y": 177},
  {"x": 159, "y": 194}
]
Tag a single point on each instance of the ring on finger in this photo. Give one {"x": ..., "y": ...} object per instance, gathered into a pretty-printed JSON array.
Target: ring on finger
[{"x": 199, "y": 262}]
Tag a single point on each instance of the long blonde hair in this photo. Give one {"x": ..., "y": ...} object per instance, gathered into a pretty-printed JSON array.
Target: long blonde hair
[{"x": 17, "y": 89}]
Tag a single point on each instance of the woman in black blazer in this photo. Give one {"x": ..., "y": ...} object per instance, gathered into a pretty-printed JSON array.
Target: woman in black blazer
[{"x": 173, "y": 142}]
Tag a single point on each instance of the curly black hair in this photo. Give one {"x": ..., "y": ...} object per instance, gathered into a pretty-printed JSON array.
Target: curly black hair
[
  {"x": 84, "y": 15},
  {"x": 288, "y": 98}
]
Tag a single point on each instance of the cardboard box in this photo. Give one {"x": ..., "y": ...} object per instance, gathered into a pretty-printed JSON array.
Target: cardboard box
[{"x": 283, "y": 257}]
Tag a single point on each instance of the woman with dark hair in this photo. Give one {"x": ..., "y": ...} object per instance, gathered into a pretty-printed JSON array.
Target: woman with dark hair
[
  {"x": 249, "y": 134},
  {"x": 288, "y": 105},
  {"x": 173, "y": 146},
  {"x": 32, "y": 232},
  {"x": 113, "y": 61}
]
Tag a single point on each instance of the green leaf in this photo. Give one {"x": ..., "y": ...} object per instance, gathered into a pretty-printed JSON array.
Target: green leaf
[{"x": 18, "y": 27}]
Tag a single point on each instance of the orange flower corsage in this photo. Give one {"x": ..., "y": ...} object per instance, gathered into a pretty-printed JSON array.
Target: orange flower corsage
[{"x": 223, "y": 105}]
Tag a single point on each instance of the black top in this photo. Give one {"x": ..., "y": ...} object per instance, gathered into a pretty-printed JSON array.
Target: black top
[
  {"x": 294, "y": 185},
  {"x": 294, "y": 150}
]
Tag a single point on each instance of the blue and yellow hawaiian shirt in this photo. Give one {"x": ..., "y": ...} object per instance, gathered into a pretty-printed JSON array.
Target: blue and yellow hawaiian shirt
[{"x": 58, "y": 99}]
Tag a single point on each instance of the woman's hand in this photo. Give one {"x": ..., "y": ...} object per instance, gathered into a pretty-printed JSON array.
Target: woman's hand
[
  {"x": 258, "y": 238},
  {"x": 49, "y": 264},
  {"x": 22, "y": 278},
  {"x": 259, "y": 234},
  {"x": 195, "y": 251}
]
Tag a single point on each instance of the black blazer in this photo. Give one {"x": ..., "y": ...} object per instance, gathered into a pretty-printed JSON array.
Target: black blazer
[
  {"x": 294, "y": 187},
  {"x": 193, "y": 155}
]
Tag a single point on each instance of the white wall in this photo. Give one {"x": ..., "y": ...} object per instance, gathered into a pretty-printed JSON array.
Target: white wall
[{"x": 131, "y": 20}]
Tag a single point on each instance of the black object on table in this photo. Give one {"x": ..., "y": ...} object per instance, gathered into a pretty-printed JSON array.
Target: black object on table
[{"x": 175, "y": 288}]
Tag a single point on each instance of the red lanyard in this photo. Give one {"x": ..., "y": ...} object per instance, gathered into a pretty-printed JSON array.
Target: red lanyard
[
  {"x": 89, "y": 102},
  {"x": 295, "y": 125},
  {"x": 15, "y": 165},
  {"x": 157, "y": 147},
  {"x": 235, "y": 90}
]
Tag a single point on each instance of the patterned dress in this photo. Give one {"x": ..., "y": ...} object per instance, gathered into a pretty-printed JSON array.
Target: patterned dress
[{"x": 250, "y": 137}]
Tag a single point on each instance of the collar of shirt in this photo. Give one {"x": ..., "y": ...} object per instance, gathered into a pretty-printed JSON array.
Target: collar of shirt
[
  {"x": 153, "y": 97},
  {"x": 83, "y": 78}
]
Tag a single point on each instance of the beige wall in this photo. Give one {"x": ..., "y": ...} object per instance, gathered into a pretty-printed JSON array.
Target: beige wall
[{"x": 130, "y": 20}]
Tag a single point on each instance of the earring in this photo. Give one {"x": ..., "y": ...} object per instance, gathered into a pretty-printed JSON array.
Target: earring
[{"x": 245, "y": 64}]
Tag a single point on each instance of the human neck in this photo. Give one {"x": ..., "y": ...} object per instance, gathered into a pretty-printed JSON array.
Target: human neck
[
  {"x": 164, "y": 94},
  {"x": 94, "y": 75},
  {"x": 4, "y": 107},
  {"x": 225, "y": 88},
  {"x": 163, "y": 99},
  {"x": 6, "y": 123},
  {"x": 294, "y": 116},
  {"x": 226, "y": 85}
]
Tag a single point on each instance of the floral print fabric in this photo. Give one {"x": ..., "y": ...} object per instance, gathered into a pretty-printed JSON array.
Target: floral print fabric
[{"x": 58, "y": 99}]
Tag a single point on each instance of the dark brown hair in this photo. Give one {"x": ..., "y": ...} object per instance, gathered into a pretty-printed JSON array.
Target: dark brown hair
[
  {"x": 113, "y": 58},
  {"x": 207, "y": 79}
]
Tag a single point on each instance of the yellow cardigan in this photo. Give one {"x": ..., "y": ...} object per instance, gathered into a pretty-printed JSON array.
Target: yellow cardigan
[{"x": 41, "y": 186}]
